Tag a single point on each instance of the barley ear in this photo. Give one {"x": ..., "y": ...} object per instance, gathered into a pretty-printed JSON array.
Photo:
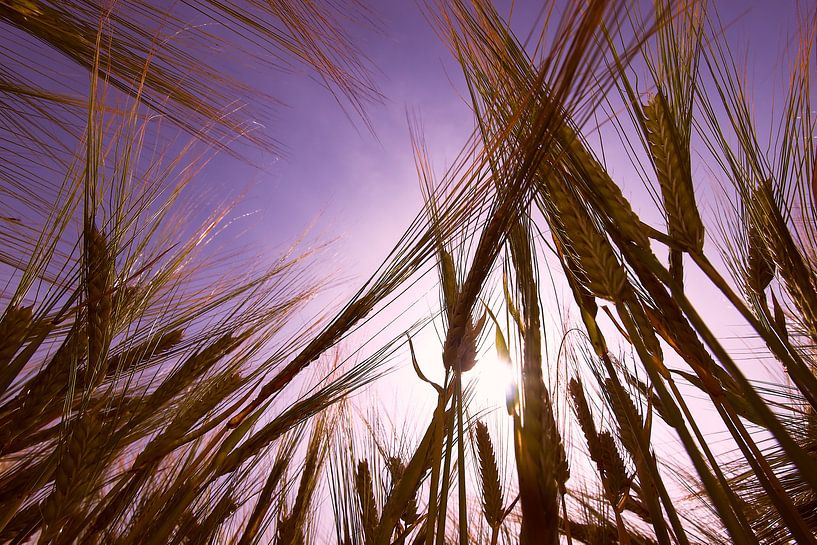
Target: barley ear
[
  {"x": 587, "y": 251},
  {"x": 13, "y": 331},
  {"x": 365, "y": 494},
  {"x": 492, "y": 501},
  {"x": 100, "y": 268},
  {"x": 672, "y": 167},
  {"x": 602, "y": 188}
]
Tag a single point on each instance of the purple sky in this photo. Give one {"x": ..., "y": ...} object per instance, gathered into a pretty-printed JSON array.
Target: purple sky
[{"x": 363, "y": 187}]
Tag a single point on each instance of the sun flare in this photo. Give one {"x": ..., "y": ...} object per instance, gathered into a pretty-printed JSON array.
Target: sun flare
[{"x": 492, "y": 379}]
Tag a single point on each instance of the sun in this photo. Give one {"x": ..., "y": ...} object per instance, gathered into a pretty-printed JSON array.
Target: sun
[{"x": 492, "y": 379}]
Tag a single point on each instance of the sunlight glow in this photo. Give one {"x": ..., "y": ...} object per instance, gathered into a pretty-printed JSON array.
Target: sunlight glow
[{"x": 492, "y": 379}]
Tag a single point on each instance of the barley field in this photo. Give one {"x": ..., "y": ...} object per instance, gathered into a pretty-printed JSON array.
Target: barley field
[{"x": 564, "y": 293}]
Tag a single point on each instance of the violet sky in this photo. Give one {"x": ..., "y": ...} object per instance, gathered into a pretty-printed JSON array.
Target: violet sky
[{"x": 362, "y": 187}]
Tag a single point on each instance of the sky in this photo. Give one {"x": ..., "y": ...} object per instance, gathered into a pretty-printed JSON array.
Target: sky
[{"x": 354, "y": 184}]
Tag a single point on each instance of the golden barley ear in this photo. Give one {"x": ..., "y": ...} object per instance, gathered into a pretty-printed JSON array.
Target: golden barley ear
[
  {"x": 14, "y": 326},
  {"x": 99, "y": 279},
  {"x": 671, "y": 158},
  {"x": 492, "y": 500},
  {"x": 365, "y": 495},
  {"x": 600, "y": 187},
  {"x": 587, "y": 252}
]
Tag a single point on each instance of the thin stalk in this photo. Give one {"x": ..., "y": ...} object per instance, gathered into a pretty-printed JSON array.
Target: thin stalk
[
  {"x": 803, "y": 461},
  {"x": 446, "y": 477},
  {"x": 800, "y": 373},
  {"x": 463, "y": 507},
  {"x": 675, "y": 419},
  {"x": 436, "y": 450}
]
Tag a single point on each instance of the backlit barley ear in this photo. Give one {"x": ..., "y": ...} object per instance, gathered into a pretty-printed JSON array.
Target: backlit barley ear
[
  {"x": 614, "y": 473},
  {"x": 73, "y": 473},
  {"x": 467, "y": 356},
  {"x": 456, "y": 346},
  {"x": 193, "y": 367},
  {"x": 672, "y": 167},
  {"x": 492, "y": 501},
  {"x": 608, "y": 192},
  {"x": 461, "y": 352},
  {"x": 583, "y": 297},
  {"x": 779, "y": 319},
  {"x": 626, "y": 415},
  {"x": 396, "y": 470},
  {"x": 263, "y": 504},
  {"x": 365, "y": 495},
  {"x": 646, "y": 333},
  {"x": 796, "y": 272},
  {"x": 100, "y": 267},
  {"x": 760, "y": 268},
  {"x": 601, "y": 447},
  {"x": 583, "y": 414},
  {"x": 48, "y": 387},
  {"x": 562, "y": 465},
  {"x": 13, "y": 331},
  {"x": 598, "y": 267},
  {"x": 187, "y": 416},
  {"x": 134, "y": 356},
  {"x": 448, "y": 279}
]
